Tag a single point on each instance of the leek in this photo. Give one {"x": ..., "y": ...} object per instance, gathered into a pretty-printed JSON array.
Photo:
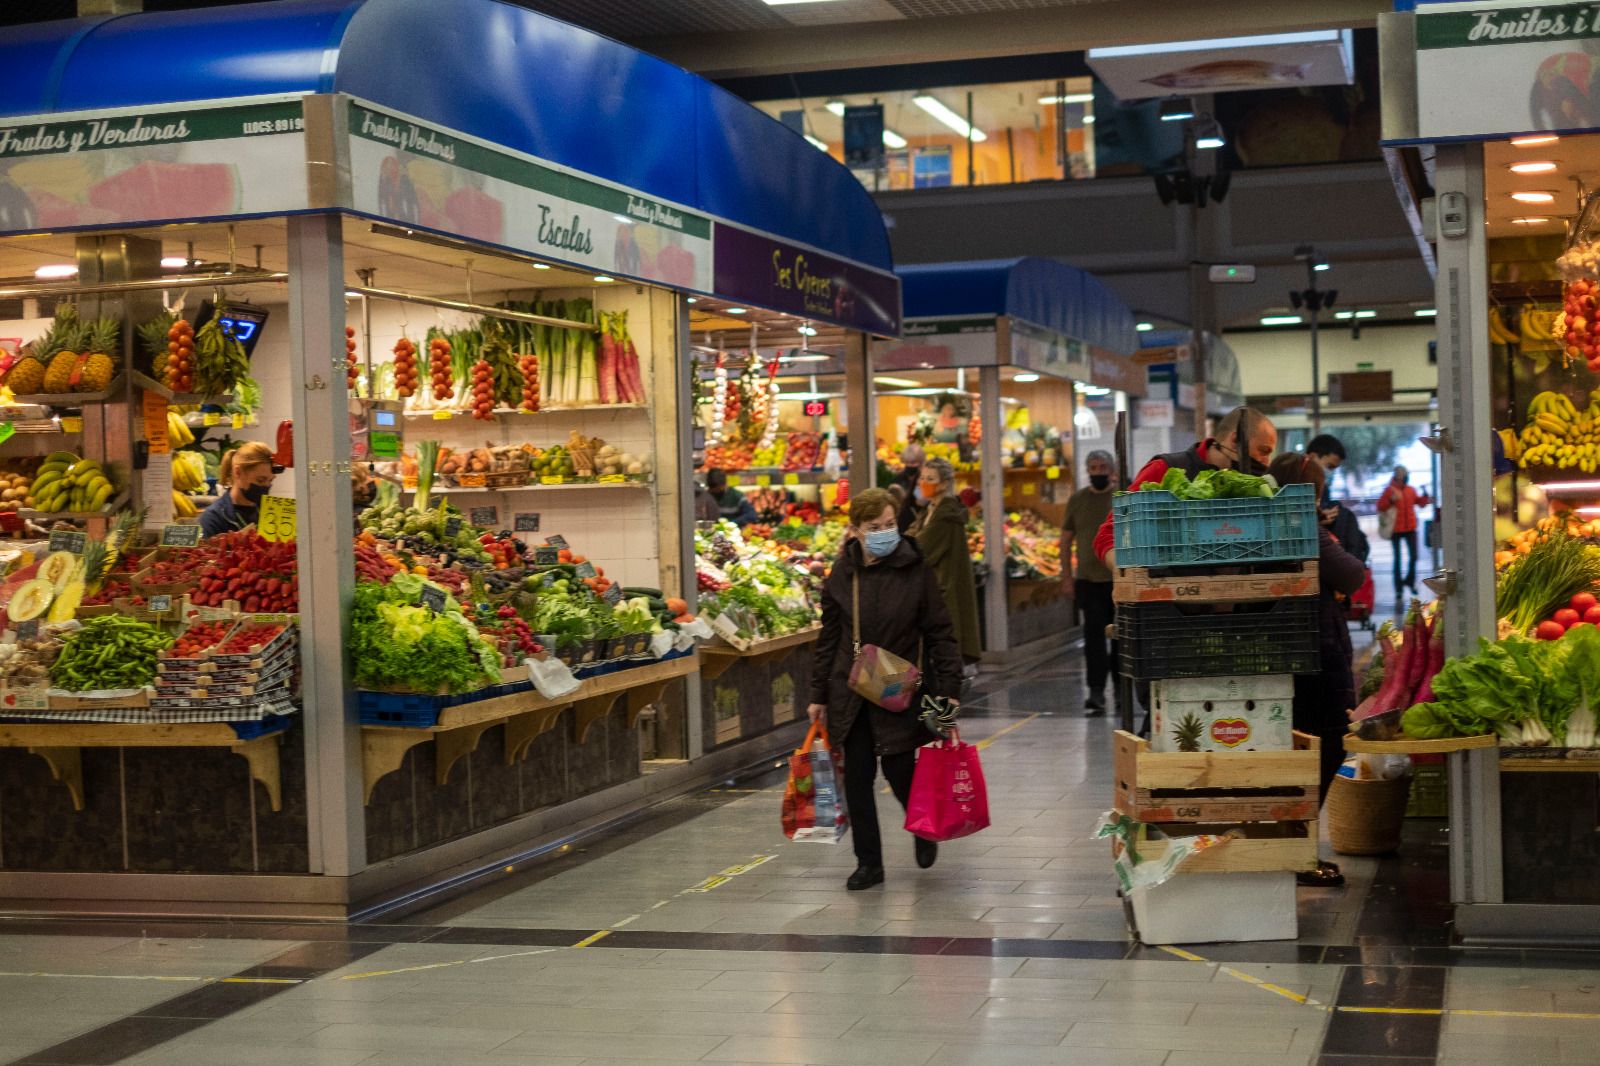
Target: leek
[{"x": 427, "y": 460}]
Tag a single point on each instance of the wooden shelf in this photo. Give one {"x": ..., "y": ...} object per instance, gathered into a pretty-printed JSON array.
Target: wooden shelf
[
  {"x": 112, "y": 391},
  {"x": 439, "y": 490},
  {"x": 60, "y": 745},
  {"x": 1589, "y": 763},
  {"x": 1411, "y": 746},
  {"x": 720, "y": 656},
  {"x": 182, "y": 399},
  {"x": 526, "y": 716},
  {"x": 516, "y": 411}
]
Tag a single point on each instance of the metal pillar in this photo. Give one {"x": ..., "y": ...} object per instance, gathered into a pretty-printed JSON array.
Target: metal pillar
[
  {"x": 675, "y": 385},
  {"x": 859, "y": 410},
  {"x": 1466, "y": 508},
  {"x": 337, "y": 822},
  {"x": 992, "y": 477}
]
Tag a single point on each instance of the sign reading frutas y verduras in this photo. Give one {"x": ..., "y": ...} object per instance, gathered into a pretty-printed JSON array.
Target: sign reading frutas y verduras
[
  {"x": 90, "y": 169},
  {"x": 413, "y": 173},
  {"x": 1486, "y": 70}
]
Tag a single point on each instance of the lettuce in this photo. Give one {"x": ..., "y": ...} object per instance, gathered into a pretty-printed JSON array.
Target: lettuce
[{"x": 399, "y": 645}]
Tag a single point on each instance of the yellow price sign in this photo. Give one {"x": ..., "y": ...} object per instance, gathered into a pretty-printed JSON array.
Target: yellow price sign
[
  {"x": 735, "y": 481},
  {"x": 210, "y": 418},
  {"x": 277, "y": 521},
  {"x": 442, "y": 416},
  {"x": 552, "y": 479},
  {"x": 1052, "y": 472},
  {"x": 791, "y": 479},
  {"x": 1030, "y": 489},
  {"x": 763, "y": 480},
  {"x": 238, "y": 421}
]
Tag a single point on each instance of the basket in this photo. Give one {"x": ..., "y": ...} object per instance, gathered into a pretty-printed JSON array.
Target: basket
[
  {"x": 1155, "y": 528},
  {"x": 1165, "y": 640},
  {"x": 1365, "y": 817}
]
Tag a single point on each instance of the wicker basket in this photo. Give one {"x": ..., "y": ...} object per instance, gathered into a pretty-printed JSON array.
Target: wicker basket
[{"x": 1365, "y": 817}]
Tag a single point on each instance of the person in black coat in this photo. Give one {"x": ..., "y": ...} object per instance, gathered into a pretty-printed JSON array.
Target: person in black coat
[
  {"x": 903, "y": 612},
  {"x": 1323, "y": 701}
]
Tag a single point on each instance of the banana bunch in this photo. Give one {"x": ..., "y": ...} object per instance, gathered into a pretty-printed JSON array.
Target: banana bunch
[
  {"x": 67, "y": 483},
  {"x": 178, "y": 432},
  {"x": 1498, "y": 331},
  {"x": 188, "y": 472},
  {"x": 182, "y": 505},
  {"x": 1558, "y": 434}
]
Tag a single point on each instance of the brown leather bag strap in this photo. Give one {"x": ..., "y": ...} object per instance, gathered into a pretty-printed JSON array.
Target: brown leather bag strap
[{"x": 855, "y": 612}]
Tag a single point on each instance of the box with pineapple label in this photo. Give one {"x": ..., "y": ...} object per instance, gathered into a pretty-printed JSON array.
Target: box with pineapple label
[{"x": 1222, "y": 713}]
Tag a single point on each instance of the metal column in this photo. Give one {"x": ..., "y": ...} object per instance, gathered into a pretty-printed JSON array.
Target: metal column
[
  {"x": 992, "y": 477},
  {"x": 859, "y": 411},
  {"x": 675, "y": 390},
  {"x": 337, "y": 823},
  {"x": 1466, "y": 515}
]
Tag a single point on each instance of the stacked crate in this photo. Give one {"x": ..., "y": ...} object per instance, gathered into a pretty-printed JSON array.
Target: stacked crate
[{"x": 1216, "y": 612}]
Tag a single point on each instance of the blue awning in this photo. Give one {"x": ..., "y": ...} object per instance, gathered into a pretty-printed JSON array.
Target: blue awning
[
  {"x": 490, "y": 69},
  {"x": 1042, "y": 292}
]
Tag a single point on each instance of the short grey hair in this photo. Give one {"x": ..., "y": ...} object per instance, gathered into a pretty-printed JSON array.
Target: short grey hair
[
  {"x": 1103, "y": 456},
  {"x": 913, "y": 455},
  {"x": 942, "y": 467}
]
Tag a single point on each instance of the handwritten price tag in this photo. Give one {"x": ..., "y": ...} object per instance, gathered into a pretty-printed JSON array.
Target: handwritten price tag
[
  {"x": 1052, "y": 472},
  {"x": 791, "y": 479},
  {"x": 277, "y": 521},
  {"x": 441, "y": 416},
  {"x": 763, "y": 480},
  {"x": 210, "y": 418},
  {"x": 179, "y": 535},
  {"x": 238, "y": 421},
  {"x": 1030, "y": 489}
]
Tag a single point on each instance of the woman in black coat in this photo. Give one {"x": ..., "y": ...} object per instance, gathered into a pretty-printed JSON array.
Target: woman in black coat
[
  {"x": 1322, "y": 701},
  {"x": 902, "y": 611}
]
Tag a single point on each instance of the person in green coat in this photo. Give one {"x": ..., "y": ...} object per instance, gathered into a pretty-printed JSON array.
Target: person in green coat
[{"x": 940, "y": 531}]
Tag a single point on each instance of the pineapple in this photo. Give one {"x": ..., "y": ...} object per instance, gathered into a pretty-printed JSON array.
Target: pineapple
[
  {"x": 153, "y": 334},
  {"x": 59, "y": 349},
  {"x": 101, "y": 556},
  {"x": 1187, "y": 733},
  {"x": 99, "y": 364},
  {"x": 26, "y": 377}
]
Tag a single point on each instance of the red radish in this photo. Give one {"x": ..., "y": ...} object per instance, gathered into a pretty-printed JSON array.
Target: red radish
[
  {"x": 1583, "y": 602},
  {"x": 1396, "y": 669},
  {"x": 1566, "y": 618},
  {"x": 1435, "y": 662},
  {"x": 1416, "y": 653},
  {"x": 1549, "y": 630}
]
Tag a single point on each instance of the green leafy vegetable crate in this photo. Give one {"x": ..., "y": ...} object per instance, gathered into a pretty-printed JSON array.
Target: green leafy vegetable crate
[{"x": 1156, "y": 528}]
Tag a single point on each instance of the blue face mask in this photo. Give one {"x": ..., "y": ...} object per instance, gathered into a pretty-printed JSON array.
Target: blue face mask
[
  {"x": 922, "y": 497},
  {"x": 880, "y": 542}
]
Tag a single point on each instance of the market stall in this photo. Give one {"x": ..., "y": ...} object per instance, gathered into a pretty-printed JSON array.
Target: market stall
[
  {"x": 1507, "y": 660},
  {"x": 1012, "y": 369},
  {"x": 348, "y": 430}
]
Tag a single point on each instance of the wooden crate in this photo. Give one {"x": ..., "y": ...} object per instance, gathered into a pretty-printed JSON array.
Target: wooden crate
[
  {"x": 1256, "y": 848},
  {"x": 1253, "y": 583},
  {"x": 1226, "y": 787}
]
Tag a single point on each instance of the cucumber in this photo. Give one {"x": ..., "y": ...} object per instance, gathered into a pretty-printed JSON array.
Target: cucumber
[{"x": 647, "y": 593}]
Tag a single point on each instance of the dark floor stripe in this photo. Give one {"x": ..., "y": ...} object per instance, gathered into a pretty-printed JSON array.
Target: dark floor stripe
[{"x": 183, "y": 1014}]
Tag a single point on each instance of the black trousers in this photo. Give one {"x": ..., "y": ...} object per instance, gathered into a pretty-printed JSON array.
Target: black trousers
[
  {"x": 1408, "y": 576},
  {"x": 860, "y": 774},
  {"x": 1094, "y": 600},
  {"x": 1321, "y": 708}
]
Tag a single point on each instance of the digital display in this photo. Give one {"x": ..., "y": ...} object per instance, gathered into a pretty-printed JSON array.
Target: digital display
[
  {"x": 243, "y": 321},
  {"x": 384, "y": 419},
  {"x": 816, "y": 408}
]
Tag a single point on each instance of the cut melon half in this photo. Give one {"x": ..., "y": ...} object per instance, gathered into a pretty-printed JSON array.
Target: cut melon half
[
  {"x": 31, "y": 600},
  {"x": 57, "y": 568}
]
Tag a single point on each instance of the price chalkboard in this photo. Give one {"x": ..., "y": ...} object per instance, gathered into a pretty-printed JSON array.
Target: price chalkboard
[
  {"x": 28, "y": 630},
  {"x": 160, "y": 604},
  {"x": 612, "y": 595},
  {"x": 487, "y": 517},
  {"x": 525, "y": 522},
  {"x": 180, "y": 535},
  {"x": 452, "y": 526},
  {"x": 587, "y": 570},
  {"x": 277, "y": 521},
  {"x": 433, "y": 598},
  {"x": 556, "y": 541},
  {"x": 68, "y": 540},
  {"x": 550, "y": 578},
  {"x": 546, "y": 556}
]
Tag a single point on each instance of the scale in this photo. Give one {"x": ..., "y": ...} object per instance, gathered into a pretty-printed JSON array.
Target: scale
[{"x": 377, "y": 430}]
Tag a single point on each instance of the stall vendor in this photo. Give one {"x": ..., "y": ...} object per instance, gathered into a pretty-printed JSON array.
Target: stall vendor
[
  {"x": 246, "y": 475},
  {"x": 951, "y": 427},
  {"x": 731, "y": 503}
]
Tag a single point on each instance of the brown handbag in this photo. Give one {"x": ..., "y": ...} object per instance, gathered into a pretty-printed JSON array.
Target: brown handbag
[{"x": 877, "y": 674}]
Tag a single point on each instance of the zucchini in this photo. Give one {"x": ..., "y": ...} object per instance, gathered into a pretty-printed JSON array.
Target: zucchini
[{"x": 647, "y": 593}]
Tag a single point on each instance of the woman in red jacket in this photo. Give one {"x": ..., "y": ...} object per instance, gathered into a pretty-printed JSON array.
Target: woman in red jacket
[{"x": 1404, "y": 501}]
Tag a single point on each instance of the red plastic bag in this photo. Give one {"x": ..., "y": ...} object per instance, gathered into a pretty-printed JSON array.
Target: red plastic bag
[
  {"x": 948, "y": 797},
  {"x": 813, "y": 800}
]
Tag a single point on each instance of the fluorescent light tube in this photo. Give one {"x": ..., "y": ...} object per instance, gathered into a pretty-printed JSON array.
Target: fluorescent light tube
[{"x": 933, "y": 106}]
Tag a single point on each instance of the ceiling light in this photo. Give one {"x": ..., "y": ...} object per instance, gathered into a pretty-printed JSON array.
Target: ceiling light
[
  {"x": 933, "y": 106},
  {"x": 1088, "y": 120},
  {"x": 1533, "y": 197},
  {"x": 808, "y": 331},
  {"x": 1070, "y": 98},
  {"x": 1570, "y": 486},
  {"x": 1426, "y": 312},
  {"x": 1025, "y": 379},
  {"x": 1215, "y": 140},
  {"x": 897, "y": 383},
  {"x": 1176, "y": 110},
  {"x": 1280, "y": 320},
  {"x": 1144, "y": 327},
  {"x": 541, "y": 266},
  {"x": 807, "y": 357},
  {"x": 836, "y": 107},
  {"x": 891, "y": 139},
  {"x": 738, "y": 311},
  {"x": 692, "y": 300},
  {"x": 56, "y": 270},
  {"x": 602, "y": 278},
  {"x": 1543, "y": 166},
  {"x": 1529, "y": 220},
  {"x": 1347, "y": 315},
  {"x": 821, "y": 146},
  {"x": 1322, "y": 266},
  {"x": 174, "y": 261},
  {"x": 1534, "y": 140}
]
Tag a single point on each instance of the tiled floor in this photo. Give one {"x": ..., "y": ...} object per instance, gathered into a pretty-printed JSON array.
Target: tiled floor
[{"x": 701, "y": 935}]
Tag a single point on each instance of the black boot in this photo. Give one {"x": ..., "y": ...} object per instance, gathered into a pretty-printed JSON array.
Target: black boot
[
  {"x": 864, "y": 877},
  {"x": 927, "y": 852},
  {"x": 1326, "y": 875}
]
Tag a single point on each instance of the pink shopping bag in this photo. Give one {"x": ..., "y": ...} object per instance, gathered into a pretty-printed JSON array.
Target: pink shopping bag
[{"x": 948, "y": 797}]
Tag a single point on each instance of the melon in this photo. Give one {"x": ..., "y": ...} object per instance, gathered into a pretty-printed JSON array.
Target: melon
[
  {"x": 57, "y": 568},
  {"x": 31, "y": 600},
  {"x": 158, "y": 189}
]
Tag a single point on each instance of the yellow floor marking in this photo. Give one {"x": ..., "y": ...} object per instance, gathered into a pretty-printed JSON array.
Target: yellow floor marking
[
  {"x": 516, "y": 955},
  {"x": 992, "y": 737},
  {"x": 591, "y": 938},
  {"x": 155, "y": 977},
  {"x": 746, "y": 867},
  {"x": 1277, "y": 990},
  {"x": 1565, "y": 1015},
  {"x": 402, "y": 969},
  {"x": 709, "y": 883},
  {"x": 1189, "y": 955},
  {"x": 1428, "y": 1011}
]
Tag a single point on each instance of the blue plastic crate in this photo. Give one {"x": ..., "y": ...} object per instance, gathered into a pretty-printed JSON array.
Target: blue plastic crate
[
  {"x": 262, "y": 727},
  {"x": 1155, "y": 528},
  {"x": 398, "y": 709}
]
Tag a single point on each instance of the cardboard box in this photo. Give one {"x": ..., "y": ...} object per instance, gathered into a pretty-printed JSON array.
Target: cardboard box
[
  {"x": 1215, "y": 908},
  {"x": 1223, "y": 713}
]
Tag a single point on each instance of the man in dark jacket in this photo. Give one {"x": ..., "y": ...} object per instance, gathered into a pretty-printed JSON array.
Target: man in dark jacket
[
  {"x": 731, "y": 503},
  {"x": 1328, "y": 452},
  {"x": 911, "y": 461}
]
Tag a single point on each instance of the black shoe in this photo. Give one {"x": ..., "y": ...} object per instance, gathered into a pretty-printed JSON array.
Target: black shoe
[
  {"x": 1095, "y": 702},
  {"x": 927, "y": 852},
  {"x": 1326, "y": 875},
  {"x": 865, "y": 877}
]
